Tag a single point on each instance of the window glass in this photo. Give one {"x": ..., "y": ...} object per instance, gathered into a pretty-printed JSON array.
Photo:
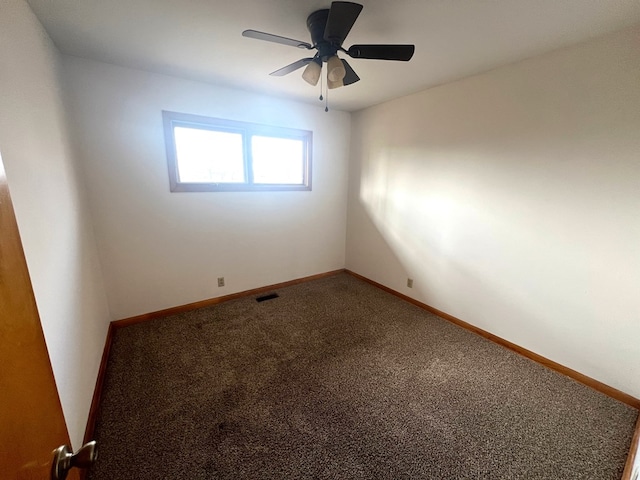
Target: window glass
[
  {"x": 208, "y": 156},
  {"x": 277, "y": 160}
]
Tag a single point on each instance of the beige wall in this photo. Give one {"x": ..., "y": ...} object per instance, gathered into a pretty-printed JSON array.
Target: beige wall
[
  {"x": 512, "y": 199},
  {"x": 51, "y": 210},
  {"x": 160, "y": 249}
]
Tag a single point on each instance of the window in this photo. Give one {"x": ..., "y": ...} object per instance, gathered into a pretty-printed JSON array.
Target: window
[{"x": 210, "y": 154}]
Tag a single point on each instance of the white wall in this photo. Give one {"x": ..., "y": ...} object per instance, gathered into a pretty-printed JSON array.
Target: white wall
[
  {"x": 50, "y": 208},
  {"x": 160, "y": 249},
  {"x": 512, "y": 199}
]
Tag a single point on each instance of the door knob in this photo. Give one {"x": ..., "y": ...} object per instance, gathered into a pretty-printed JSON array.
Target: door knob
[{"x": 64, "y": 459}]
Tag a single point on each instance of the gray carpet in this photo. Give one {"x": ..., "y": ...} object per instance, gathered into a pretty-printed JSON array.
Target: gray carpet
[{"x": 336, "y": 379}]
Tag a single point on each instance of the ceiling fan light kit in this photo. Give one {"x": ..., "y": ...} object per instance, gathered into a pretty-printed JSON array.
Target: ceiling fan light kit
[{"x": 328, "y": 29}]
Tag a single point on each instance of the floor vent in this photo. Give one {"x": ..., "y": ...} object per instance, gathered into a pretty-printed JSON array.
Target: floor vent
[{"x": 267, "y": 297}]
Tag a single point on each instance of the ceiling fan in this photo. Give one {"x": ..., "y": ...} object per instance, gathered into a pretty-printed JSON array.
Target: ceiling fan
[{"x": 328, "y": 29}]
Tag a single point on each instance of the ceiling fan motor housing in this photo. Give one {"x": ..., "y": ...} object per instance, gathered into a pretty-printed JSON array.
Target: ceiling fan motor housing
[{"x": 316, "y": 24}]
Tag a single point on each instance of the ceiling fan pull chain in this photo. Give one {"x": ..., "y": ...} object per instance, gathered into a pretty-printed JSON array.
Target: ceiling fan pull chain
[
  {"x": 321, "y": 82},
  {"x": 326, "y": 99}
]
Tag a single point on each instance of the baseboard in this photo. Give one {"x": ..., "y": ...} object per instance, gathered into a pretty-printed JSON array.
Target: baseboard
[
  {"x": 97, "y": 392},
  {"x": 590, "y": 382},
  {"x": 215, "y": 301}
]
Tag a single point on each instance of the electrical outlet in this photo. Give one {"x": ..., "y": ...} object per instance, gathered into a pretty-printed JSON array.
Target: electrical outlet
[
  {"x": 221, "y": 281},
  {"x": 410, "y": 282}
]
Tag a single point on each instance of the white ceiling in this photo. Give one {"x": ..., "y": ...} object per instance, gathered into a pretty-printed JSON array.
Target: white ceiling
[{"x": 201, "y": 39}]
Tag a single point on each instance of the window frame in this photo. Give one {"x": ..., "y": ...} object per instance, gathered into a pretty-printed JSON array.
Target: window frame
[{"x": 247, "y": 130}]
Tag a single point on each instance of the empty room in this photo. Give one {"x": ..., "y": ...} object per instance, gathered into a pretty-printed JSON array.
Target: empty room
[{"x": 376, "y": 240}]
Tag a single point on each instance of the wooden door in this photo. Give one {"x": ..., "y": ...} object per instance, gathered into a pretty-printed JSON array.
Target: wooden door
[{"x": 31, "y": 420}]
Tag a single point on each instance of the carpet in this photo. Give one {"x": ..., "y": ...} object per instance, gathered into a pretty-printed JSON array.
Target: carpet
[{"x": 336, "y": 379}]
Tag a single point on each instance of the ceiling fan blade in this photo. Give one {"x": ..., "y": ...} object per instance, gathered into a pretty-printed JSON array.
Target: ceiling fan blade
[
  {"x": 291, "y": 67},
  {"x": 276, "y": 39},
  {"x": 382, "y": 52},
  {"x": 351, "y": 76},
  {"x": 342, "y": 16}
]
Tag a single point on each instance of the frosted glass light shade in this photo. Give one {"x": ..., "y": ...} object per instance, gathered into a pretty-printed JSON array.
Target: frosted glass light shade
[
  {"x": 311, "y": 74},
  {"x": 336, "y": 84},
  {"x": 335, "y": 69}
]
